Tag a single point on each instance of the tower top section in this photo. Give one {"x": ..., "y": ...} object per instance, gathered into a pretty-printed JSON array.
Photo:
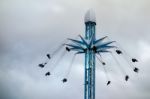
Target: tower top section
[{"x": 90, "y": 16}]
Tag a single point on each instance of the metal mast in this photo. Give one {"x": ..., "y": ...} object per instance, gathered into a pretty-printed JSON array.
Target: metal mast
[{"x": 89, "y": 85}]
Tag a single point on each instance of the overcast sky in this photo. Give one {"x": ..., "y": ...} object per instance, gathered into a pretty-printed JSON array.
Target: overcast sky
[{"x": 31, "y": 28}]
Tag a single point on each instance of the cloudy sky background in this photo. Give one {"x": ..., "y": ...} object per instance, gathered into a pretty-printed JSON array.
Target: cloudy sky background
[{"x": 31, "y": 28}]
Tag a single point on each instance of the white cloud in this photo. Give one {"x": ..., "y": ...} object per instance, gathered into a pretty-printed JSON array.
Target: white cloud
[
  {"x": 144, "y": 51},
  {"x": 57, "y": 8}
]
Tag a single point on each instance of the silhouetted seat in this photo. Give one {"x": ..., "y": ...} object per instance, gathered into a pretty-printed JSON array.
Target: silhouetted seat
[
  {"x": 134, "y": 60},
  {"x": 48, "y": 56},
  {"x": 47, "y": 74},
  {"x": 64, "y": 80},
  {"x": 118, "y": 52},
  {"x": 67, "y": 49},
  {"x": 108, "y": 83},
  {"x": 126, "y": 77},
  {"x": 103, "y": 63},
  {"x": 94, "y": 49},
  {"x": 136, "y": 70},
  {"x": 41, "y": 65}
]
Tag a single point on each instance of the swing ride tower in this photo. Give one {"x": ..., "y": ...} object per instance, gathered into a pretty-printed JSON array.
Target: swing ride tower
[{"x": 89, "y": 46}]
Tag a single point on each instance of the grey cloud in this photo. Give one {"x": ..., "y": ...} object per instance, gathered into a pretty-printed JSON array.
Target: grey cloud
[{"x": 31, "y": 28}]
